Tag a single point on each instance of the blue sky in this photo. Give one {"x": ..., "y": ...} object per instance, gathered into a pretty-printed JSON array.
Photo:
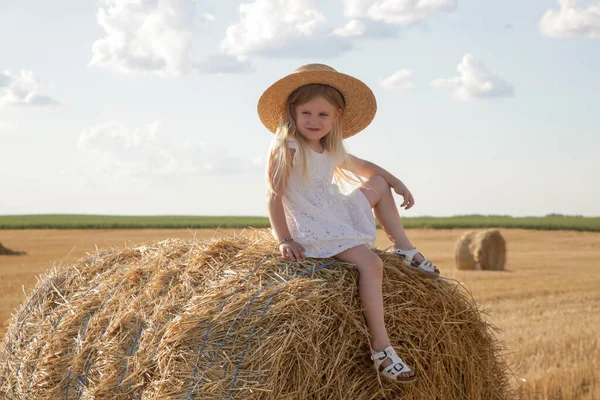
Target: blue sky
[{"x": 149, "y": 106}]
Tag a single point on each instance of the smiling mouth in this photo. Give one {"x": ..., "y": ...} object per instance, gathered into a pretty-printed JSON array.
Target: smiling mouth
[{"x": 314, "y": 129}]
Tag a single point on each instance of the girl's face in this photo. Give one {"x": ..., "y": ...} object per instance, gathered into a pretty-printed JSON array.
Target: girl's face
[{"x": 315, "y": 118}]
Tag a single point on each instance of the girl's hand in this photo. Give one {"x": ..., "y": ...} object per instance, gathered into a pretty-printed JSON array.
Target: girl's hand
[
  {"x": 292, "y": 251},
  {"x": 403, "y": 191}
]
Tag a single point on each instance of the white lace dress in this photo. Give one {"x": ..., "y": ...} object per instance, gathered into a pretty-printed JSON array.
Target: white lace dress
[{"x": 319, "y": 216}]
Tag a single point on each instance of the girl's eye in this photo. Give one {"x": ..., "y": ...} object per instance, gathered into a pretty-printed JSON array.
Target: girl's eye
[
  {"x": 305, "y": 112},
  {"x": 323, "y": 115}
]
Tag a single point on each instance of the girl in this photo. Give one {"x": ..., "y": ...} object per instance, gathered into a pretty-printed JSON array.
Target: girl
[{"x": 311, "y": 111}]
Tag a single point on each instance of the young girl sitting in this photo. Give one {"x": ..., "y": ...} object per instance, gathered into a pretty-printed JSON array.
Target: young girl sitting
[{"x": 311, "y": 111}]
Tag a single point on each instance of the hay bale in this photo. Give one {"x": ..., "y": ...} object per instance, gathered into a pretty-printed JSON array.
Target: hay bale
[
  {"x": 5, "y": 251},
  {"x": 226, "y": 318},
  {"x": 481, "y": 250},
  {"x": 463, "y": 255},
  {"x": 490, "y": 250}
]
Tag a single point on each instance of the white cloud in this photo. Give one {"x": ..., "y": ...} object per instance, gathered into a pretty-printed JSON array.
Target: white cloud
[
  {"x": 397, "y": 12},
  {"x": 475, "y": 80},
  {"x": 120, "y": 151},
  {"x": 282, "y": 27},
  {"x": 151, "y": 36},
  {"x": 571, "y": 20},
  {"x": 5, "y": 78},
  {"x": 399, "y": 79},
  {"x": 353, "y": 28},
  {"x": 22, "y": 90},
  {"x": 357, "y": 8}
]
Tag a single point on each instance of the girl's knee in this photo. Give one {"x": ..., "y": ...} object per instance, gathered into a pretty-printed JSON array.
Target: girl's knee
[
  {"x": 373, "y": 267},
  {"x": 378, "y": 182},
  {"x": 374, "y": 189},
  {"x": 364, "y": 259}
]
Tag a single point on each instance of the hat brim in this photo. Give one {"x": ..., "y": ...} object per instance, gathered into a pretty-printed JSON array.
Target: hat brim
[{"x": 359, "y": 111}]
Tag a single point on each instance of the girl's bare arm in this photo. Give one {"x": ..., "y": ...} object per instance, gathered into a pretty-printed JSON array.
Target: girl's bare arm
[
  {"x": 367, "y": 169},
  {"x": 289, "y": 249},
  {"x": 277, "y": 216}
]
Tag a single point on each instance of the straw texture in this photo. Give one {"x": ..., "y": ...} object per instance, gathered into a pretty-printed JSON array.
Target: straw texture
[
  {"x": 360, "y": 109},
  {"x": 481, "y": 250},
  {"x": 227, "y": 318}
]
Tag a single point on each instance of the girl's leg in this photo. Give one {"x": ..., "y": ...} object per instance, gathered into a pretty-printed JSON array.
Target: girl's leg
[
  {"x": 370, "y": 268},
  {"x": 381, "y": 198}
]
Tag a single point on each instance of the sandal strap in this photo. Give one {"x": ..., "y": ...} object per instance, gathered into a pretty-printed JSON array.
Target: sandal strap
[
  {"x": 396, "y": 366},
  {"x": 380, "y": 355},
  {"x": 390, "y": 353},
  {"x": 408, "y": 254},
  {"x": 427, "y": 266}
]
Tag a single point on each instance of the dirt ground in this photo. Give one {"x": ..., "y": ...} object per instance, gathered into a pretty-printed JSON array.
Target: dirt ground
[{"x": 546, "y": 304}]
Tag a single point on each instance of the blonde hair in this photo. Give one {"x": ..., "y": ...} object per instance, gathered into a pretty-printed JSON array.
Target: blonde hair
[{"x": 279, "y": 164}]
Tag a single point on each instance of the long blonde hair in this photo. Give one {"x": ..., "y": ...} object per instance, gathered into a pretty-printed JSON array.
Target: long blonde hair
[{"x": 279, "y": 164}]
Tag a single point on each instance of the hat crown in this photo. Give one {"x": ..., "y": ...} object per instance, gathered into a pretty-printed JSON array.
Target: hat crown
[
  {"x": 360, "y": 104},
  {"x": 314, "y": 67}
]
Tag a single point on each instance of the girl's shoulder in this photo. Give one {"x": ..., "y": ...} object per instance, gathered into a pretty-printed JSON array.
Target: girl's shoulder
[
  {"x": 289, "y": 143},
  {"x": 292, "y": 144}
]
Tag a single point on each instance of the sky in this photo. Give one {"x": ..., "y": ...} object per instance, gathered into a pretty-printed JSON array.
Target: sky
[{"x": 148, "y": 107}]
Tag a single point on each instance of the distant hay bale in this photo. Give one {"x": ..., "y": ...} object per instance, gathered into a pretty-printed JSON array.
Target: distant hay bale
[
  {"x": 481, "y": 250},
  {"x": 228, "y": 318},
  {"x": 490, "y": 250},
  {"x": 463, "y": 255},
  {"x": 4, "y": 251}
]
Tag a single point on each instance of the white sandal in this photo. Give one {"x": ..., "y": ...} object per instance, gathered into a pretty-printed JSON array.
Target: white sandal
[
  {"x": 425, "y": 267},
  {"x": 393, "y": 370}
]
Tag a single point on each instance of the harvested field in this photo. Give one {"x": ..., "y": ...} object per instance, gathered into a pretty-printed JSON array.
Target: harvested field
[{"x": 546, "y": 302}]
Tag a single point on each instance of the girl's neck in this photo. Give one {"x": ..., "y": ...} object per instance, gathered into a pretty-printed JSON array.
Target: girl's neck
[{"x": 316, "y": 146}]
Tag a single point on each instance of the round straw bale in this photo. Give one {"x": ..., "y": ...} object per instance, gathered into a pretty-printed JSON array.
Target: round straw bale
[
  {"x": 463, "y": 255},
  {"x": 489, "y": 249},
  {"x": 228, "y": 318}
]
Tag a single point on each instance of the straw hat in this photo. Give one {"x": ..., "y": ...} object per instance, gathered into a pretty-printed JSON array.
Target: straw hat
[{"x": 360, "y": 102}]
